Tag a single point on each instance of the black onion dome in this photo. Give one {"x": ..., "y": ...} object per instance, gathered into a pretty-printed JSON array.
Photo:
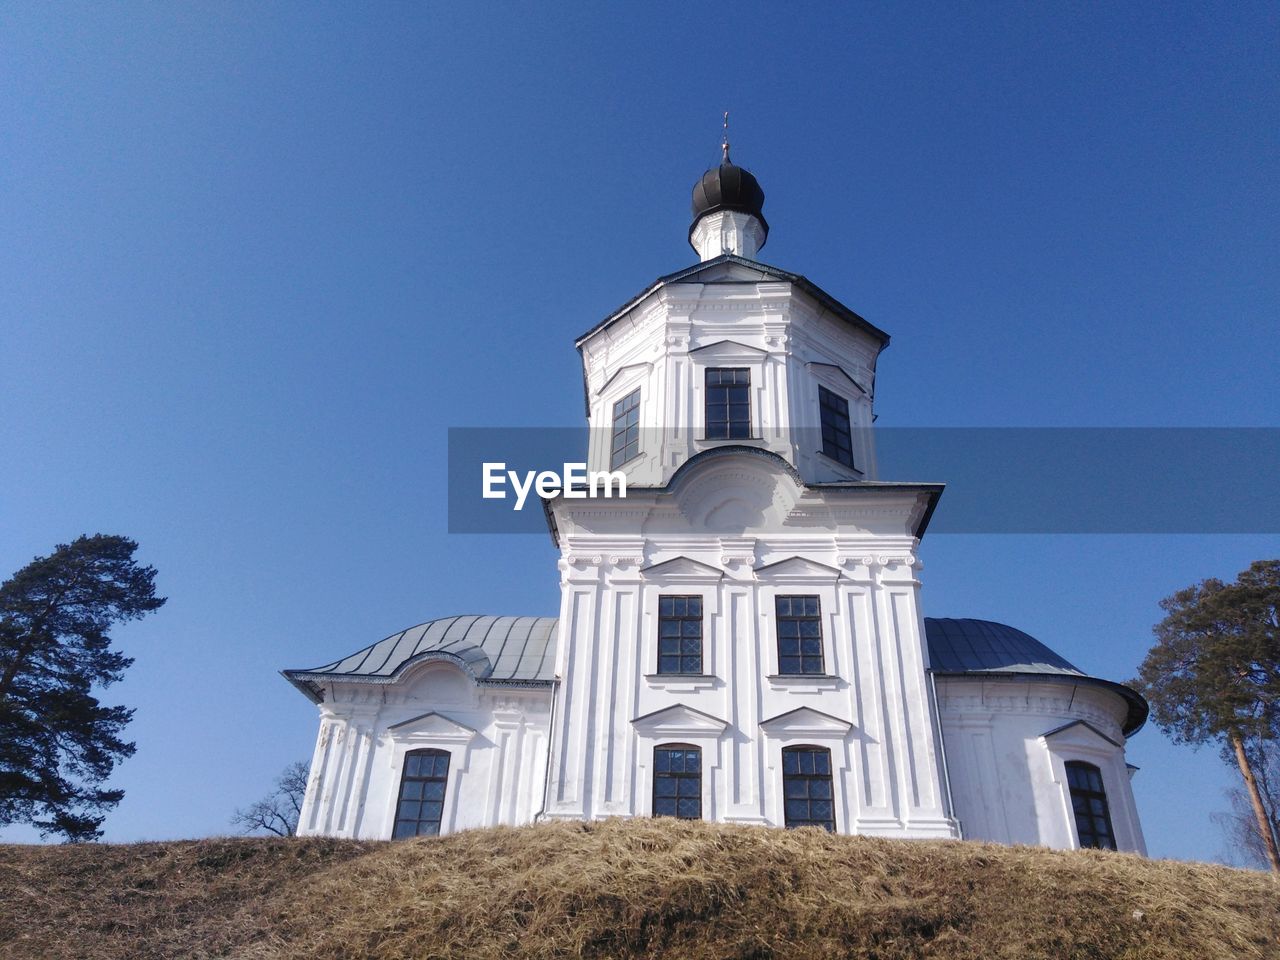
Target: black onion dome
[{"x": 728, "y": 187}]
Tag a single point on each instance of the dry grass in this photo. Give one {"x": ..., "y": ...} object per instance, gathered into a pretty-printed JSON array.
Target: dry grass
[{"x": 641, "y": 888}]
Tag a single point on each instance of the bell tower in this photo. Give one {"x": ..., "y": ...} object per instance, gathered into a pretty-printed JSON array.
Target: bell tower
[
  {"x": 731, "y": 351},
  {"x": 750, "y": 608}
]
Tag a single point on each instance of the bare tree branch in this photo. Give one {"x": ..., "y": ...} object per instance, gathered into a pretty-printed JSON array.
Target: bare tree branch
[{"x": 279, "y": 810}]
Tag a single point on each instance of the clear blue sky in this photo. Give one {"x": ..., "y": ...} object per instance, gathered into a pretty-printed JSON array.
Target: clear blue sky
[{"x": 256, "y": 259}]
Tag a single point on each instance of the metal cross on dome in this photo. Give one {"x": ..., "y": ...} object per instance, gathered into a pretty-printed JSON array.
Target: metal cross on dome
[{"x": 724, "y": 142}]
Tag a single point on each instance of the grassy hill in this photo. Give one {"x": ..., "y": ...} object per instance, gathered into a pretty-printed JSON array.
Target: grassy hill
[{"x": 641, "y": 888}]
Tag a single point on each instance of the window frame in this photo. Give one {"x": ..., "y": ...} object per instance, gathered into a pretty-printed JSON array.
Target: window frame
[
  {"x": 614, "y": 450},
  {"x": 435, "y": 754},
  {"x": 1088, "y": 794},
  {"x": 681, "y": 777},
  {"x": 800, "y": 656},
  {"x": 729, "y": 421},
  {"x": 826, "y": 394},
  {"x": 799, "y": 750},
  {"x": 676, "y": 600}
]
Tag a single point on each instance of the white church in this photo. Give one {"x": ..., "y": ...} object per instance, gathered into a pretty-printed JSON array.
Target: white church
[{"x": 740, "y": 637}]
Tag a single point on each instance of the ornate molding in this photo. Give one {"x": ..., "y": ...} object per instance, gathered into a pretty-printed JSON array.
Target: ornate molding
[{"x": 1041, "y": 705}]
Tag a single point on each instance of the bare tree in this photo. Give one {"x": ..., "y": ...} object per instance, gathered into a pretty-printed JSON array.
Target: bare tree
[
  {"x": 279, "y": 810},
  {"x": 1239, "y": 825}
]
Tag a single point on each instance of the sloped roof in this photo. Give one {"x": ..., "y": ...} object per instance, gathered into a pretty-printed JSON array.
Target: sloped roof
[
  {"x": 518, "y": 650},
  {"x": 521, "y": 650},
  {"x": 691, "y": 274},
  {"x": 967, "y": 646},
  {"x": 962, "y": 647}
]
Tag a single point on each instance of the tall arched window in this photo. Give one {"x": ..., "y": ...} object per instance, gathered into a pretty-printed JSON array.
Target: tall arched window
[
  {"x": 1089, "y": 803},
  {"x": 807, "y": 796},
  {"x": 422, "y": 786},
  {"x": 677, "y": 781}
]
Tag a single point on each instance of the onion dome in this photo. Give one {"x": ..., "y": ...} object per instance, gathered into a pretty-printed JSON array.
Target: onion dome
[{"x": 728, "y": 187}]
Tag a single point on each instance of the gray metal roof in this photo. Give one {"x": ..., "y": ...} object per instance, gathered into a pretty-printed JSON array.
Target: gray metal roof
[
  {"x": 521, "y": 650},
  {"x": 968, "y": 646},
  {"x": 964, "y": 646},
  {"x": 516, "y": 650}
]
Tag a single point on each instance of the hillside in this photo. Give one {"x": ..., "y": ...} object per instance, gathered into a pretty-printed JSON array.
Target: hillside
[{"x": 655, "y": 889}]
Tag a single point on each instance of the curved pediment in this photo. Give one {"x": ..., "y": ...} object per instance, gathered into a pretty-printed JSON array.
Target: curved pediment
[{"x": 735, "y": 488}]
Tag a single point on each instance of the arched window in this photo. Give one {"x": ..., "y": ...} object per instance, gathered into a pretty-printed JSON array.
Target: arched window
[
  {"x": 422, "y": 785},
  {"x": 807, "y": 795},
  {"x": 677, "y": 781},
  {"x": 1089, "y": 802}
]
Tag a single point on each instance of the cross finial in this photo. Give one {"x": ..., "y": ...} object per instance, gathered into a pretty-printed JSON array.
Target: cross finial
[{"x": 724, "y": 142}]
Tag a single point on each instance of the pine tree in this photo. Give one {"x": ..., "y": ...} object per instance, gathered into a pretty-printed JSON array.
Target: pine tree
[
  {"x": 58, "y": 743},
  {"x": 1214, "y": 674}
]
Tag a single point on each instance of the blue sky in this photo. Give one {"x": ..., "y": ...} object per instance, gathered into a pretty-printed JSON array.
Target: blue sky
[{"x": 257, "y": 259}]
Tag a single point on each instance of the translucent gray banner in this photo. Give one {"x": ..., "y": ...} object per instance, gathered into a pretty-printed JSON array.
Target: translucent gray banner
[{"x": 998, "y": 480}]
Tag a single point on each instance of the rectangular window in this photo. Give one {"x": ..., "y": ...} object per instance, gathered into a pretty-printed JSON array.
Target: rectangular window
[
  {"x": 421, "y": 803},
  {"x": 677, "y": 782},
  {"x": 680, "y": 635},
  {"x": 837, "y": 440},
  {"x": 799, "y": 636},
  {"x": 626, "y": 430},
  {"x": 1089, "y": 803},
  {"x": 728, "y": 403},
  {"x": 806, "y": 788}
]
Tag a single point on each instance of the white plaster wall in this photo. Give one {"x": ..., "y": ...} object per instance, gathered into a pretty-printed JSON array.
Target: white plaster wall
[
  {"x": 496, "y": 737},
  {"x": 664, "y": 345},
  {"x": 727, "y": 231},
  {"x": 1007, "y": 777},
  {"x": 872, "y": 710}
]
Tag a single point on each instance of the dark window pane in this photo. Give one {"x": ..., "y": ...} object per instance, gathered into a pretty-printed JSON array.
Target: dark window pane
[
  {"x": 728, "y": 403},
  {"x": 677, "y": 782},
  {"x": 422, "y": 788},
  {"x": 626, "y": 432},
  {"x": 680, "y": 635},
  {"x": 1089, "y": 804},
  {"x": 799, "y": 627},
  {"x": 807, "y": 788},
  {"x": 837, "y": 440}
]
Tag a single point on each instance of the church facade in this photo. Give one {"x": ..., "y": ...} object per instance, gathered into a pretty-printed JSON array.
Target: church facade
[{"x": 740, "y": 638}]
